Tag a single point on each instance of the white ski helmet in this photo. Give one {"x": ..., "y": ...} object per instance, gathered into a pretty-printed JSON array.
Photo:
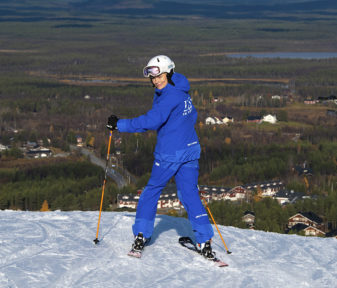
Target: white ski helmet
[{"x": 158, "y": 65}]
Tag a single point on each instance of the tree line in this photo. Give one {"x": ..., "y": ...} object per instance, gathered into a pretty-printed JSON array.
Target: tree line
[
  {"x": 271, "y": 216},
  {"x": 72, "y": 184}
]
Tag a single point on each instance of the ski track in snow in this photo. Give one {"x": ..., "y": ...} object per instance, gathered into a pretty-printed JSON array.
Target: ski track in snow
[{"x": 56, "y": 249}]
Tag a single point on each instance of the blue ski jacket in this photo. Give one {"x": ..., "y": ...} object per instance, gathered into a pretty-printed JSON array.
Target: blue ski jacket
[{"x": 173, "y": 116}]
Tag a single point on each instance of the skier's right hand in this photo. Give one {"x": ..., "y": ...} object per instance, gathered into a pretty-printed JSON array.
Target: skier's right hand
[{"x": 112, "y": 122}]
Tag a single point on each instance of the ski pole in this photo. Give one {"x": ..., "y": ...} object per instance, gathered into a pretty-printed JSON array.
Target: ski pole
[
  {"x": 209, "y": 211},
  {"x": 103, "y": 187}
]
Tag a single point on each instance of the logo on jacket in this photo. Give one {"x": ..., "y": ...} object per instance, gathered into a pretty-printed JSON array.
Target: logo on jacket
[
  {"x": 202, "y": 215},
  {"x": 188, "y": 106}
]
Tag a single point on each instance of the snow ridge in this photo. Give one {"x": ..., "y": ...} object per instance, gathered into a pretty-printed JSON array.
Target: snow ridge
[{"x": 56, "y": 249}]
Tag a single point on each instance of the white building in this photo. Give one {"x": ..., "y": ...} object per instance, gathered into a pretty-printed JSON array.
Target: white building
[
  {"x": 270, "y": 119},
  {"x": 216, "y": 121},
  {"x": 39, "y": 152},
  {"x": 210, "y": 121},
  {"x": 227, "y": 119},
  {"x": 3, "y": 147}
]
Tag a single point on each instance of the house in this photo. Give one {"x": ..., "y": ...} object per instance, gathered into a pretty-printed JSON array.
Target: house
[
  {"x": 168, "y": 199},
  {"x": 227, "y": 119},
  {"x": 284, "y": 197},
  {"x": 3, "y": 147},
  {"x": 270, "y": 119},
  {"x": 220, "y": 193},
  {"x": 307, "y": 230},
  {"x": 204, "y": 192},
  {"x": 213, "y": 121},
  {"x": 310, "y": 101},
  {"x": 306, "y": 218},
  {"x": 268, "y": 188},
  {"x": 281, "y": 97},
  {"x": 39, "y": 152},
  {"x": 238, "y": 193},
  {"x": 79, "y": 141},
  {"x": 303, "y": 169},
  {"x": 308, "y": 223},
  {"x": 30, "y": 145},
  {"x": 254, "y": 119},
  {"x": 210, "y": 121},
  {"x": 249, "y": 219},
  {"x": 127, "y": 201},
  {"x": 214, "y": 193},
  {"x": 327, "y": 99}
]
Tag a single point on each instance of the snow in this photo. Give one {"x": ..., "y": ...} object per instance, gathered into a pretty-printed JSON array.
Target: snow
[{"x": 56, "y": 249}]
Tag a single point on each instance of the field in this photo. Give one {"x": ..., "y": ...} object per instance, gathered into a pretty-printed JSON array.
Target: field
[{"x": 65, "y": 66}]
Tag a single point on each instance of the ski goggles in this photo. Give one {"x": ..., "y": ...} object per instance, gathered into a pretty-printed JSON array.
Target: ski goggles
[{"x": 151, "y": 71}]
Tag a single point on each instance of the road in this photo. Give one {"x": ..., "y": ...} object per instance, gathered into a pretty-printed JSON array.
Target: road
[{"x": 113, "y": 174}]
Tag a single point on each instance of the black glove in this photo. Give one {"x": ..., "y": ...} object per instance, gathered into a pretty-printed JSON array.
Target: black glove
[{"x": 112, "y": 122}]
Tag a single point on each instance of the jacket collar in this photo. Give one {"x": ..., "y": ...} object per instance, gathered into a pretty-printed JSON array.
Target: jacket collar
[{"x": 161, "y": 91}]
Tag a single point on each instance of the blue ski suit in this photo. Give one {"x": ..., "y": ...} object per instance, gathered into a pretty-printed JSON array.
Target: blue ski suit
[{"x": 177, "y": 151}]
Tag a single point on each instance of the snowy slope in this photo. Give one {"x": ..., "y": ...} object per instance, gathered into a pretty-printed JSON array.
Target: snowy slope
[{"x": 56, "y": 249}]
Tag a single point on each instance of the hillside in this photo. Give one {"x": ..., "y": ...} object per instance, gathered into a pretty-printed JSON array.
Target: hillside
[{"x": 55, "y": 249}]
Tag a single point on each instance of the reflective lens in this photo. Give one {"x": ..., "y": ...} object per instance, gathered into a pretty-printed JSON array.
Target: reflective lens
[{"x": 151, "y": 70}]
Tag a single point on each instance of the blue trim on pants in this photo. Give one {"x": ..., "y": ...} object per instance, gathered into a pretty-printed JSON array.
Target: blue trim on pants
[{"x": 186, "y": 176}]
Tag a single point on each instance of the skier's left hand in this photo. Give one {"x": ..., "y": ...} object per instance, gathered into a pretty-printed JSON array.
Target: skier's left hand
[{"x": 112, "y": 122}]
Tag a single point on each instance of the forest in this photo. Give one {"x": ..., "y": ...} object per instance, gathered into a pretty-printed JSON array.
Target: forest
[
  {"x": 64, "y": 69},
  {"x": 66, "y": 184}
]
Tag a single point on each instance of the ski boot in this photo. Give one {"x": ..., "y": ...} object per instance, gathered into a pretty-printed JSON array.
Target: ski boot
[
  {"x": 205, "y": 249},
  {"x": 138, "y": 246}
]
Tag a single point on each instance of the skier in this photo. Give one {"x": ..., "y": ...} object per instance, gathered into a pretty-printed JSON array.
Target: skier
[{"x": 177, "y": 151}]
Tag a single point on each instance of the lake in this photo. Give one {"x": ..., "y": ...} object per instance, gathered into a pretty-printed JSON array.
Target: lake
[{"x": 290, "y": 55}]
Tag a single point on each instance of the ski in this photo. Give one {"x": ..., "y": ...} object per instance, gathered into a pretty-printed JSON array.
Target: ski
[
  {"x": 188, "y": 243},
  {"x": 134, "y": 253}
]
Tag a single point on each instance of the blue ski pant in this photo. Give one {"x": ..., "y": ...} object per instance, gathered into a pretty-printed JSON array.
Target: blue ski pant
[{"x": 186, "y": 177}]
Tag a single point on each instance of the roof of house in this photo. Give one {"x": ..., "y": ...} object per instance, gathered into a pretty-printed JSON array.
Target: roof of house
[
  {"x": 249, "y": 213},
  {"x": 303, "y": 170},
  {"x": 127, "y": 197},
  {"x": 331, "y": 97},
  {"x": 213, "y": 189},
  {"x": 39, "y": 150},
  {"x": 252, "y": 118},
  {"x": 299, "y": 227},
  {"x": 312, "y": 216},
  {"x": 264, "y": 184},
  {"x": 291, "y": 195}
]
